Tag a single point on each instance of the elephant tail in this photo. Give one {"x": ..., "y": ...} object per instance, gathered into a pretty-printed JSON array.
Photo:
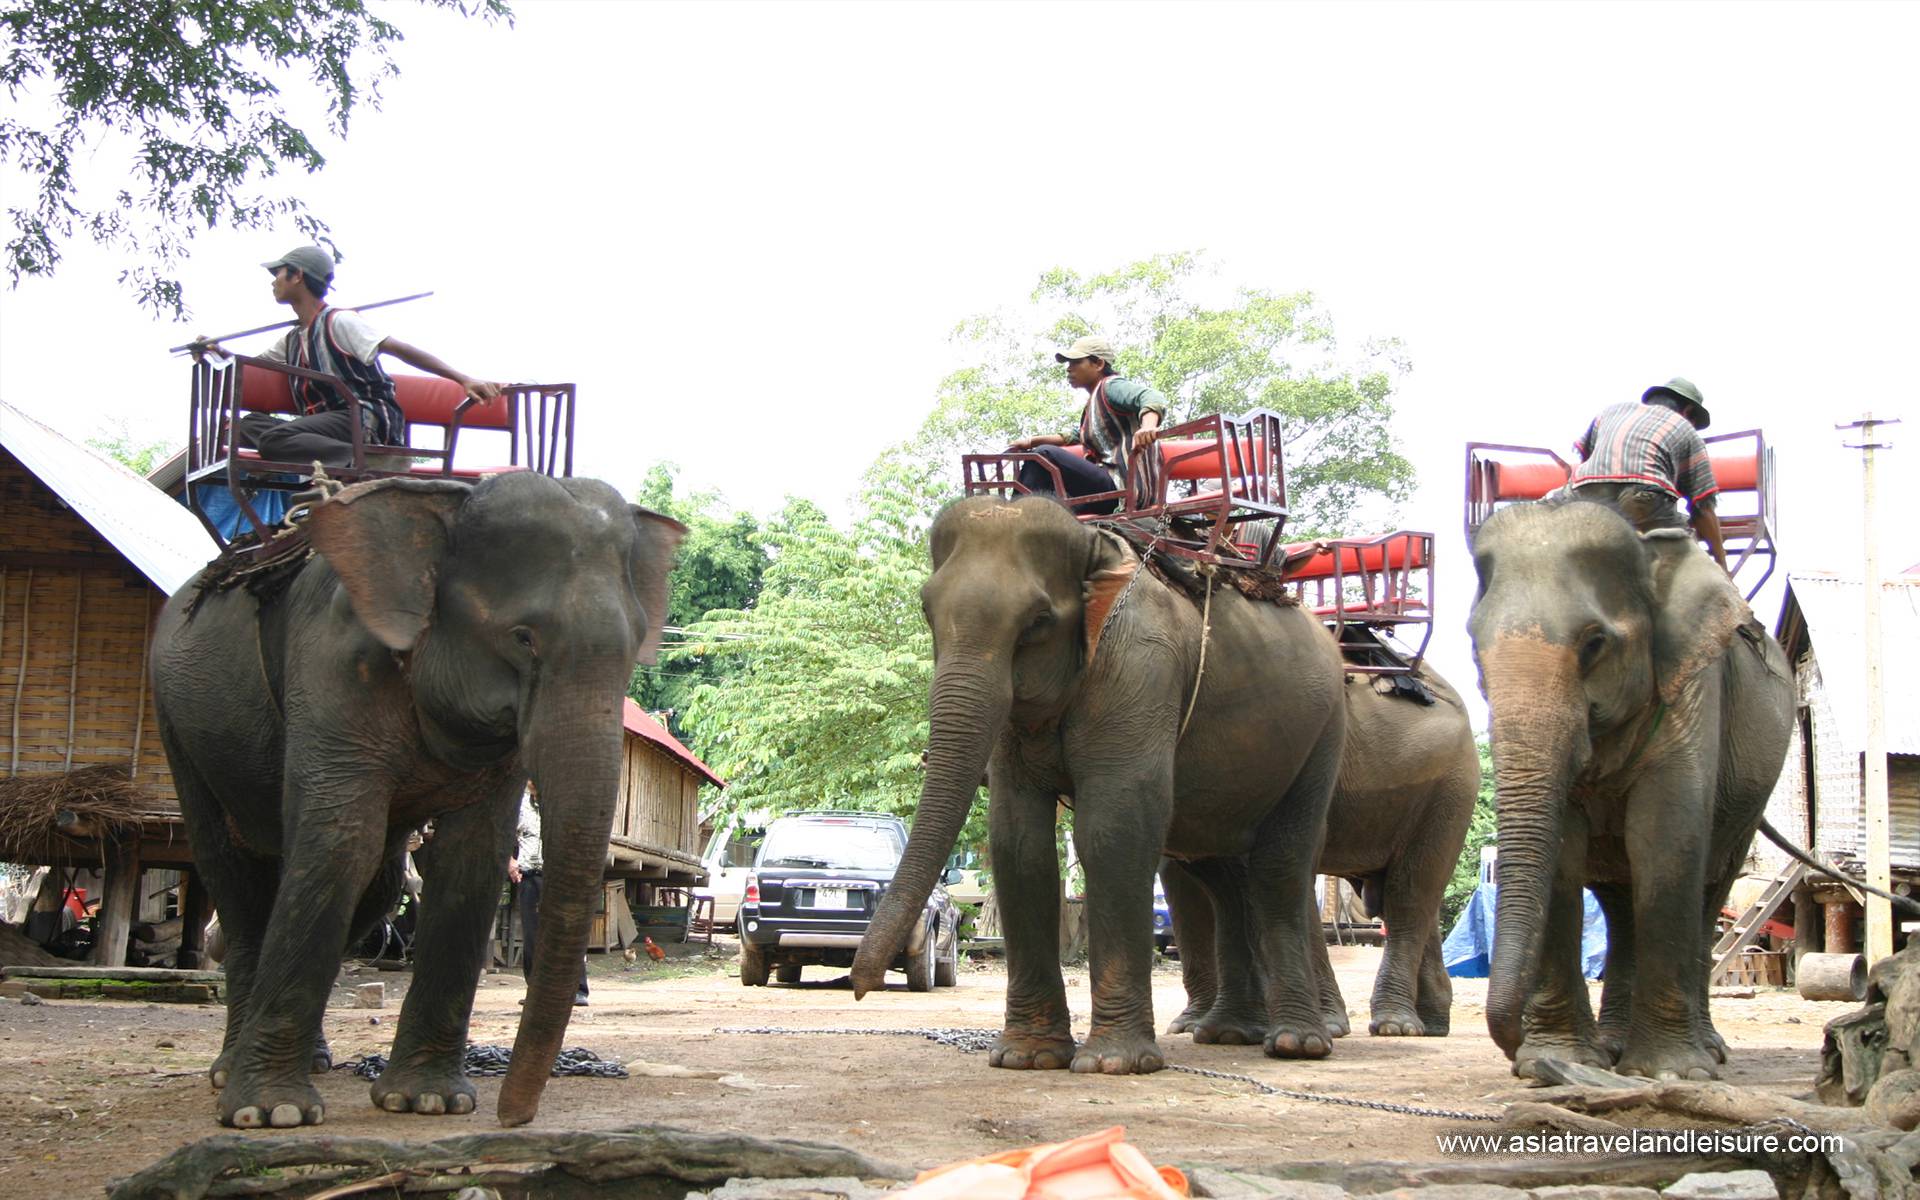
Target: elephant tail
[{"x": 1903, "y": 903}]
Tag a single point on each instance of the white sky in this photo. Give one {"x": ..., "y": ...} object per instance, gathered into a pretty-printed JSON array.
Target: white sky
[{"x": 747, "y": 230}]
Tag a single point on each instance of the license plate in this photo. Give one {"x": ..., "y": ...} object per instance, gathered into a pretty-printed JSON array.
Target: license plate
[{"x": 830, "y": 897}]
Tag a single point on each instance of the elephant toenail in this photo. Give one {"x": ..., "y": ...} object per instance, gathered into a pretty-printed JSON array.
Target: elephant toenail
[
  {"x": 247, "y": 1118},
  {"x": 429, "y": 1104},
  {"x": 285, "y": 1116},
  {"x": 218, "y": 1079},
  {"x": 394, "y": 1102},
  {"x": 462, "y": 1104},
  {"x": 316, "y": 1114}
]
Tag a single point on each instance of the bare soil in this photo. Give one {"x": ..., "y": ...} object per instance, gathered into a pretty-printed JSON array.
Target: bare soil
[{"x": 91, "y": 1091}]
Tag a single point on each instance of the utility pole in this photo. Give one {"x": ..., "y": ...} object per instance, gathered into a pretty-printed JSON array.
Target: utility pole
[{"x": 1873, "y": 792}]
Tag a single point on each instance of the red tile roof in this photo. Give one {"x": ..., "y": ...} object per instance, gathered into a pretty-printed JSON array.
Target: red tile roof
[{"x": 640, "y": 724}]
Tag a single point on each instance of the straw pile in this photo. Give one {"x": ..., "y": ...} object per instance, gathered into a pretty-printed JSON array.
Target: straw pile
[{"x": 34, "y": 808}]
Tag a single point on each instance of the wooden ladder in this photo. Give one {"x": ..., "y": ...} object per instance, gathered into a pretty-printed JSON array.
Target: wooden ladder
[{"x": 1747, "y": 929}]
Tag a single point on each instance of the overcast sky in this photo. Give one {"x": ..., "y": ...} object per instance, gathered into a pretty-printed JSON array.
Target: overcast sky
[{"x": 746, "y": 231}]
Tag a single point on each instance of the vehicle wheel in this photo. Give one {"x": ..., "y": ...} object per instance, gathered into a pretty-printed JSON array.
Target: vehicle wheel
[
  {"x": 753, "y": 965},
  {"x": 946, "y": 972},
  {"x": 920, "y": 968},
  {"x": 787, "y": 974}
]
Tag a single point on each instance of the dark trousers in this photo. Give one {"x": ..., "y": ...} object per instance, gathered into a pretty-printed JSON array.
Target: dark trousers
[
  {"x": 1644, "y": 506},
  {"x": 324, "y": 437},
  {"x": 1081, "y": 477},
  {"x": 530, "y": 887}
]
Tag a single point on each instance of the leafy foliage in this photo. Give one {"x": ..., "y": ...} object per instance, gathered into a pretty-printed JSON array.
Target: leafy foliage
[
  {"x": 119, "y": 444},
  {"x": 1256, "y": 349},
  {"x": 1480, "y": 832},
  {"x": 719, "y": 568},
  {"x": 194, "y": 86}
]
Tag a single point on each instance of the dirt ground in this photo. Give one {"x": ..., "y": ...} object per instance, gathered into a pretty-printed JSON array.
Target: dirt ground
[{"x": 91, "y": 1091}]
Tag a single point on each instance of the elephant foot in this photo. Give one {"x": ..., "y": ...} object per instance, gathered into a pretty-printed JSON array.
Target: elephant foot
[
  {"x": 1610, "y": 1042},
  {"x": 1025, "y": 1052},
  {"x": 1337, "y": 1023},
  {"x": 217, "y": 1073},
  {"x": 1716, "y": 1045},
  {"x": 1119, "y": 1054},
  {"x": 423, "y": 1088},
  {"x": 322, "y": 1061},
  {"x": 1286, "y": 1040},
  {"x": 1560, "y": 1048},
  {"x": 1229, "y": 1027},
  {"x": 1189, "y": 1017},
  {"x": 1396, "y": 1022},
  {"x": 285, "y": 1104},
  {"x": 1669, "y": 1062}
]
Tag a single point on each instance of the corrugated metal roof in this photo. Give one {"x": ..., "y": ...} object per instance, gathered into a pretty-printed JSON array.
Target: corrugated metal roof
[
  {"x": 164, "y": 541},
  {"x": 638, "y": 722},
  {"x": 1832, "y": 608}
]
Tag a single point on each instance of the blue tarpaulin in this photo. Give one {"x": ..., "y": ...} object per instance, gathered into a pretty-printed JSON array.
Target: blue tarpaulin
[
  {"x": 224, "y": 511},
  {"x": 1468, "y": 950}
]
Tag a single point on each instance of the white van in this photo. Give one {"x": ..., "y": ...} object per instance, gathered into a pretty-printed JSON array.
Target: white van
[{"x": 729, "y": 859}]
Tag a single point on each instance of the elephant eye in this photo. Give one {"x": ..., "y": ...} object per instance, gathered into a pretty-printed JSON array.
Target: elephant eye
[
  {"x": 524, "y": 636},
  {"x": 1042, "y": 621},
  {"x": 1591, "y": 648}
]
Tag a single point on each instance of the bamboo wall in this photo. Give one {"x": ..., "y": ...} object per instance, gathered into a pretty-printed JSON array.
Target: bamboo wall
[
  {"x": 659, "y": 799},
  {"x": 74, "y": 621}
]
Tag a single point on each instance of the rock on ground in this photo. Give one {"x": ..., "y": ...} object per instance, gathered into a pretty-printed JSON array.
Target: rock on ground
[
  {"x": 1723, "y": 1185},
  {"x": 839, "y": 1187},
  {"x": 1232, "y": 1185}
]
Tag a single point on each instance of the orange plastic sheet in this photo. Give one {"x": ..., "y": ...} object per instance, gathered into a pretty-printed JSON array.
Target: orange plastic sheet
[{"x": 1094, "y": 1167}]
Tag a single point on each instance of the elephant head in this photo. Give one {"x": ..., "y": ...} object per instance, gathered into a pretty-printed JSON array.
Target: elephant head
[
  {"x": 521, "y": 605},
  {"x": 1587, "y": 636},
  {"x": 1019, "y": 593}
]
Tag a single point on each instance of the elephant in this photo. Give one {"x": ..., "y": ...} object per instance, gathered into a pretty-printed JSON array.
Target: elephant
[
  {"x": 1408, "y": 782},
  {"x": 1067, "y": 670},
  {"x": 1640, "y": 716},
  {"x": 442, "y": 643}
]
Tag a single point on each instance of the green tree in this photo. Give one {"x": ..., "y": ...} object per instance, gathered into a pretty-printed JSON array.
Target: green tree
[
  {"x": 828, "y": 705},
  {"x": 1249, "y": 348},
  {"x": 719, "y": 568},
  {"x": 119, "y": 444},
  {"x": 190, "y": 90},
  {"x": 1480, "y": 832}
]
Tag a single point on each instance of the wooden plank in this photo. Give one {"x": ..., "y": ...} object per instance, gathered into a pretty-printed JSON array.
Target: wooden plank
[
  {"x": 1752, "y": 923},
  {"x": 124, "y": 974},
  {"x": 122, "y": 893}
]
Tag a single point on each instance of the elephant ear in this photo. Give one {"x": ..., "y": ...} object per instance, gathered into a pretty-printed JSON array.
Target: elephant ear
[
  {"x": 656, "y": 539},
  {"x": 386, "y": 540},
  {"x": 1110, "y": 568},
  {"x": 1697, "y": 610}
]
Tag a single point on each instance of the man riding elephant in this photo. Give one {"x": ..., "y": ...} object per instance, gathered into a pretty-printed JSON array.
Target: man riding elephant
[
  {"x": 1120, "y": 417},
  {"x": 1643, "y": 459}
]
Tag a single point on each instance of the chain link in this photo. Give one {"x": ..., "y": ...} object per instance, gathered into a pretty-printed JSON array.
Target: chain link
[{"x": 973, "y": 1041}]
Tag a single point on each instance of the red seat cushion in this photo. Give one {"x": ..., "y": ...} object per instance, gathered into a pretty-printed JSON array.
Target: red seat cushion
[
  {"x": 1394, "y": 553},
  {"x": 1198, "y": 458},
  {"x": 1736, "y": 472},
  {"x": 1527, "y": 480},
  {"x": 427, "y": 399}
]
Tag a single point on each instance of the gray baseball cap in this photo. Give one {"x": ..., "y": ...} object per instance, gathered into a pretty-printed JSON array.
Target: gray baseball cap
[
  {"x": 1087, "y": 347},
  {"x": 310, "y": 261},
  {"x": 1682, "y": 389}
]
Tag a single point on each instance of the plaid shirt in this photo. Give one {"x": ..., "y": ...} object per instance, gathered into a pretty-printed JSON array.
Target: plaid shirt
[{"x": 1646, "y": 443}]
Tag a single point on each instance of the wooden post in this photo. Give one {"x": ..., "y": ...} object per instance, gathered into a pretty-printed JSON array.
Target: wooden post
[
  {"x": 1873, "y": 792},
  {"x": 193, "y": 922},
  {"x": 117, "y": 904},
  {"x": 1807, "y": 925}
]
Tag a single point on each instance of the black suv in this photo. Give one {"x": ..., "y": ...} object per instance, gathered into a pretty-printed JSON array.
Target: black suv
[{"x": 815, "y": 885}]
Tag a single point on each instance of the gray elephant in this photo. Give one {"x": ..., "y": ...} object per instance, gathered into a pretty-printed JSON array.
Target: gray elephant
[
  {"x": 1400, "y": 812},
  {"x": 445, "y": 642},
  {"x": 1640, "y": 717},
  {"x": 1065, "y": 669}
]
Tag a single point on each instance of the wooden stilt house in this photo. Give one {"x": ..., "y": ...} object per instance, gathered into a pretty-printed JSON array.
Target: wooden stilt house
[{"x": 88, "y": 553}]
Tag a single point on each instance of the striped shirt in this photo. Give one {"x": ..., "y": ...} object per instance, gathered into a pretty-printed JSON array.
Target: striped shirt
[
  {"x": 1646, "y": 443},
  {"x": 341, "y": 343},
  {"x": 1110, "y": 420}
]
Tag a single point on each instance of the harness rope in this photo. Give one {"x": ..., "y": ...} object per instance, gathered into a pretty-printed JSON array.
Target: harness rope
[{"x": 1200, "y": 672}]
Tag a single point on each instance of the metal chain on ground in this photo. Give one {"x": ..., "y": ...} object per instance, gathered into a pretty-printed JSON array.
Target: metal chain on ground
[
  {"x": 494, "y": 1060},
  {"x": 973, "y": 1041}
]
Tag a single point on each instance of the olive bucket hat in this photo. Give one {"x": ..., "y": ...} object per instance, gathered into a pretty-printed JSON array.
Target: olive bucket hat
[{"x": 1685, "y": 391}]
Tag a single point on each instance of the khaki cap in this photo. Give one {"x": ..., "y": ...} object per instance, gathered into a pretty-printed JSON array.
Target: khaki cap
[
  {"x": 1087, "y": 347},
  {"x": 308, "y": 260},
  {"x": 1685, "y": 391}
]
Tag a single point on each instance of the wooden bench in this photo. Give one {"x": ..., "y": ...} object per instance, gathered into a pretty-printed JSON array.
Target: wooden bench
[
  {"x": 1216, "y": 487},
  {"x": 1747, "y": 504},
  {"x": 534, "y": 421}
]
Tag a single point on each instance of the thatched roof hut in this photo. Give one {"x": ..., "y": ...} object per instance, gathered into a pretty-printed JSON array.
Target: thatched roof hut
[{"x": 88, "y": 553}]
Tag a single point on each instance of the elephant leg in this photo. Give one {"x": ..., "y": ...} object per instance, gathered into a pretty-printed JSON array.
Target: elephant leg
[
  {"x": 241, "y": 884},
  {"x": 1193, "y": 926},
  {"x": 1118, "y": 825},
  {"x": 1393, "y": 1010},
  {"x": 375, "y": 904},
  {"x": 1238, "y": 1015},
  {"x": 1333, "y": 1006},
  {"x": 1280, "y": 874},
  {"x": 331, "y": 856},
  {"x": 1434, "y": 1003},
  {"x": 1616, "y": 994},
  {"x": 1717, "y": 891},
  {"x": 1666, "y": 842},
  {"x": 1038, "y": 1034},
  {"x": 1558, "y": 1020},
  {"x": 463, "y": 869}
]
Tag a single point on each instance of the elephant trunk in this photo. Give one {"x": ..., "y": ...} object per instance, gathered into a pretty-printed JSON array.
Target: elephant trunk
[
  {"x": 1538, "y": 730},
  {"x": 573, "y": 752},
  {"x": 970, "y": 701}
]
